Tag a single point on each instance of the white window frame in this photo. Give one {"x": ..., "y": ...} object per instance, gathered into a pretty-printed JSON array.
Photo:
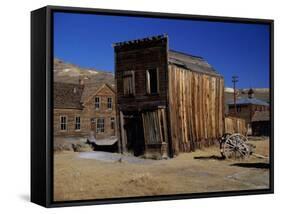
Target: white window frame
[
  {"x": 97, "y": 103},
  {"x": 77, "y": 116},
  {"x": 109, "y": 104},
  {"x": 100, "y": 129},
  {"x": 63, "y": 123}
]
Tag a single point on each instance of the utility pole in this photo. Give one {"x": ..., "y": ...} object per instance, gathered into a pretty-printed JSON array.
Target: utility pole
[{"x": 234, "y": 80}]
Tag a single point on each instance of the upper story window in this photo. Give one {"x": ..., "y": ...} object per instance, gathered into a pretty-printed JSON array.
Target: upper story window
[
  {"x": 152, "y": 81},
  {"x": 77, "y": 123},
  {"x": 129, "y": 83},
  {"x": 97, "y": 102},
  {"x": 100, "y": 125},
  {"x": 109, "y": 102},
  {"x": 63, "y": 123}
]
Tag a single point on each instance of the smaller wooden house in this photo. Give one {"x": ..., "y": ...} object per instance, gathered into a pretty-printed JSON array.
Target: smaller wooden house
[
  {"x": 246, "y": 108},
  {"x": 167, "y": 101}
]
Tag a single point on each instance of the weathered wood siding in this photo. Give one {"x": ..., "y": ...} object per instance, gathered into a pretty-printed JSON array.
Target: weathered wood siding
[
  {"x": 70, "y": 129},
  {"x": 86, "y": 115},
  {"x": 140, "y": 57},
  {"x": 89, "y": 113},
  {"x": 235, "y": 125},
  {"x": 155, "y": 133},
  {"x": 247, "y": 111},
  {"x": 196, "y": 108}
]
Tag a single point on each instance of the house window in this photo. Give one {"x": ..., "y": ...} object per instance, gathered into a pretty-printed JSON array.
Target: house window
[
  {"x": 77, "y": 123},
  {"x": 129, "y": 83},
  {"x": 97, "y": 102},
  {"x": 100, "y": 125},
  {"x": 63, "y": 123},
  {"x": 109, "y": 102},
  {"x": 112, "y": 123},
  {"x": 152, "y": 84}
]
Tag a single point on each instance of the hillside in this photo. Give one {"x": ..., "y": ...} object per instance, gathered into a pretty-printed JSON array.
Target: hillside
[{"x": 70, "y": 73}]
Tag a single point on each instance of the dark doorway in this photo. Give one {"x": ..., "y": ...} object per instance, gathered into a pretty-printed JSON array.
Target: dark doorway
[{"x": 134, "y": 131}]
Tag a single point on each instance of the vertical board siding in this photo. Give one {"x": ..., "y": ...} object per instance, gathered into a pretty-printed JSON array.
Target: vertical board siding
[
  {"x": 235, "y": 125},
  {"x": 196, "y": 109},
  {"x": 152, "y": 126}
]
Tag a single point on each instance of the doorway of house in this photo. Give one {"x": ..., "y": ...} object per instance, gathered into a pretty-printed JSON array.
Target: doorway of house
[{"x": 134, "y": 132}]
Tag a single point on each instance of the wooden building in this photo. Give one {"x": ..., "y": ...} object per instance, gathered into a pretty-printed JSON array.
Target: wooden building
[
  {"x": 81, "y": 109},
  {"x": 246, "y": 108},
  {"x": 167, "y": 101},
  {"x": 261, "y": 123},
  {"x": 235, "y": 125}
]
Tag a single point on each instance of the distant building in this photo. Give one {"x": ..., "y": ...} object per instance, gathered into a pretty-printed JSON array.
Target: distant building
[
  {"x": 80, "y": 109},
  {"x": 167, "y": 101},
  {"x": 246, "y": 108},
  {"x": 261, "y": 123}
]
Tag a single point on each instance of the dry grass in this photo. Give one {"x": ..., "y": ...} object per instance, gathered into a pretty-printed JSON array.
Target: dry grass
[
  {"x": 200, "y": 171},
  {"x": 261, "y": 148}
]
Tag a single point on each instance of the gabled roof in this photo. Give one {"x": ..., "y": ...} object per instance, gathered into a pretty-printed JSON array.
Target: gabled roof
[
  {"x": 261, "y": 116},
  {"x": 89, "y": 90},
  {"x": 67, "y": 95},
  {"x": 92, "y": 89},
  {"x": 245, "y": 101},
  {"x": 193, "y": 63}
]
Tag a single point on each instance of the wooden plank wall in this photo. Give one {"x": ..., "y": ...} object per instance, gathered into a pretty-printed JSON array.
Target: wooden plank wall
[
  {"x": 155, "y": 130},
  {"x": 137, "y": 59},
  {"x": 235, "y": 125},
  {"x": 196, "y": 108}
]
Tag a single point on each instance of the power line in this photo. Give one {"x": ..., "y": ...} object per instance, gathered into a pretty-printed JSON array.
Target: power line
[{"x": 234, "y": 80}]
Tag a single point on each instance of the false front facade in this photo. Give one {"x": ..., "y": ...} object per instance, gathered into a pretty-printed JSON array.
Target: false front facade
[{"x": 167, "y": 102}]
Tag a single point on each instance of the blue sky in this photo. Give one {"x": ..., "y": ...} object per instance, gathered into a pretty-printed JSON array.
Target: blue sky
[{"x": 231, "y": 48}]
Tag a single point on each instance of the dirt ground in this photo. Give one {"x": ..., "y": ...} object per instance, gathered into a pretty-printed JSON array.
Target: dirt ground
[{"x": 79, "y": 178}]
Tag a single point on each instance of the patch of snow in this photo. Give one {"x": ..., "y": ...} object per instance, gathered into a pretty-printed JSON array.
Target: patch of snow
[
  {"x": 66, "y": 70},
  {"x": 93, "y": 72},
  {"x": 229, "y": 90}
]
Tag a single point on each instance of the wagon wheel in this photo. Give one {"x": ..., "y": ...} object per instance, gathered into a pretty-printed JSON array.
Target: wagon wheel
[{"x": 235, "y": 146}]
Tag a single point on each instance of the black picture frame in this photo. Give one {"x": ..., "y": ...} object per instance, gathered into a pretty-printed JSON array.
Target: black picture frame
[{"x": 42, "y": 105}]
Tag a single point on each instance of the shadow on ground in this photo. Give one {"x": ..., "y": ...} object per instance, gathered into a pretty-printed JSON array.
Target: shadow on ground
[
  {"x": 212, "y": 157},
  {"x": 253, "y": 165}
]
